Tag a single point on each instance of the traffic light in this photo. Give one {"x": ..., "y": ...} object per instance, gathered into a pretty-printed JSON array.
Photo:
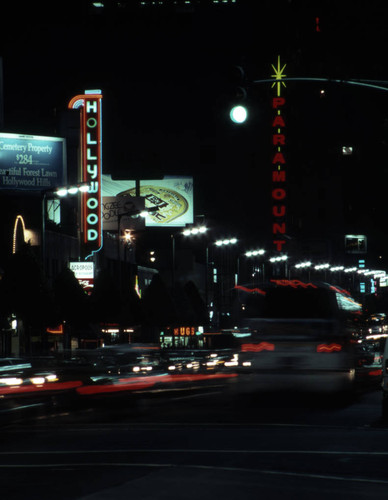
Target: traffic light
[{"x": 238, "y": 112}]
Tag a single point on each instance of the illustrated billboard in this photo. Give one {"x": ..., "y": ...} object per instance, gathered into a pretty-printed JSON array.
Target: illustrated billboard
[
  {"x": 32, "y": 162},
  {"x": 173, "y": 196}
]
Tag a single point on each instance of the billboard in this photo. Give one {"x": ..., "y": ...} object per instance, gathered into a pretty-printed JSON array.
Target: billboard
[
  {"x": 32, "y": 162},
  {"x": 173, "y": 196}
]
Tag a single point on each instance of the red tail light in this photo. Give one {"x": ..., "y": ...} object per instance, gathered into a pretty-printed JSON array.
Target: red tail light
[
  {"x": 329, "y": 347},
  {"x": 263, "y": 346}
]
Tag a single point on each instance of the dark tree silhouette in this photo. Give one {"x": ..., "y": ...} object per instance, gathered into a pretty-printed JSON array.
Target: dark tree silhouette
[
  {"x": 131, "y": 308},
  {"x": 26, "y": 294},
  {"x": 197, "y": 304},
  {"x": 71, "y": 299},
  {"x": 105, "y": 300},
  {"x": 159, "y": 309},
  {"x": 26, "y": 291}
]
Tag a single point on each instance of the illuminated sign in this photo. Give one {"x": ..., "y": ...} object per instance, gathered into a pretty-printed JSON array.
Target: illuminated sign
[
  {"x": 355, "y": 243},
  {"x": 262, "y": 346},
  {"x": 21, "y": 234},
  {"x": 18, "y": 221},
  {"x": 84, "y": 272},
  {"x": 279, "y": 192},
  {"x": 58, "y": 330},
  {"x": 32, "y": 162},
  {"x": 91, "y": 158},
  {"x": 183, "y": 331},
  {"x": 172, "y": 196},
  {"x": 293, "y": 283},
  {"x": 250, "y": 290}
]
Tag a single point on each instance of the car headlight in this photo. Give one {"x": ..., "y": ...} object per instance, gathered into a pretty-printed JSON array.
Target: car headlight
[
  {"x": 11, "y": 381},
  {"x": 38, "y": 380}
]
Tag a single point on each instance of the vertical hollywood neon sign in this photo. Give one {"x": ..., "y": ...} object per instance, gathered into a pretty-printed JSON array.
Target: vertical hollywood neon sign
[
  {"x": 91, "y": 160},
  {"x": 279, "y": 192}
]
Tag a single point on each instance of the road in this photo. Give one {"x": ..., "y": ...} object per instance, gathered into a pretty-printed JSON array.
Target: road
[{"x": 193, "y": 445}]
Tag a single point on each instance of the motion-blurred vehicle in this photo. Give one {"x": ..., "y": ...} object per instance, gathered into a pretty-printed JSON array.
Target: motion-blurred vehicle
[
  {"x": 384, "y": 383},
  {"x": 303, "y": 337},
  {"x": 32, "y": 384},
  {"x": 8, "y": 365},
  {"x": 370, "y": 361}
]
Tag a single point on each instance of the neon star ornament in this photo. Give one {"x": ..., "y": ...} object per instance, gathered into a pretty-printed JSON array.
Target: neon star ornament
[{"x": 279, "y": 74}]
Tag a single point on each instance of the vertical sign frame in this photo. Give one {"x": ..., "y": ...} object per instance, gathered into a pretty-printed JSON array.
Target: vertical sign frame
[
  {"x": 91, "y": 161},
  {"x": 279, "y": 192}
]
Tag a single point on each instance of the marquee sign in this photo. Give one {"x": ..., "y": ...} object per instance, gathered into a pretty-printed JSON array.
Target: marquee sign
[
  {"x": 279, "y": 192},
  {"x": 91, "y": 159}
]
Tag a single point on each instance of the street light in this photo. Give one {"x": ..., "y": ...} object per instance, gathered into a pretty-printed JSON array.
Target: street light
[
  {"x": 281, "y": 258},
  {"x": 303, "y": 265},
  {"x": 194, "y": 231},
  {"x": 226, "y": 242},
  {"x": 254, "y": 253},
  {"x": 319, "y": 267},
  {"x": 62, "y": 191}
]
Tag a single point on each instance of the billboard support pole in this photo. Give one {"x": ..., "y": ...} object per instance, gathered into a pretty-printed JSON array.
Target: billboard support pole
[{"x": 43, "y": 229}]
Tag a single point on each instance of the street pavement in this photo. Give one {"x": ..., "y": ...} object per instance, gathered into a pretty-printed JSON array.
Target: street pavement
[{"x": 201, "y": 445}]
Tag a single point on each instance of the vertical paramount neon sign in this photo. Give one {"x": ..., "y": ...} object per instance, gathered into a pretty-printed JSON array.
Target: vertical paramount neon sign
[
  {"x": 278, "y": 161},
  {"x": 91, "y": 160}
]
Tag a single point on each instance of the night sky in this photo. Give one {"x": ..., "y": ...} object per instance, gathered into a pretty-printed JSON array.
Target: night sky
[{"x": 166, "y": 77}]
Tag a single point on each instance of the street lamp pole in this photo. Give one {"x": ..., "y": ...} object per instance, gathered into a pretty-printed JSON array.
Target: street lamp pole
[
  {"x": 59, "y": 192},
  {"x": 173, "y": 261},
  {"x": 198, "y": 231},
  {"x": 256, "y": 254},
  {"x": 120, "y": 215},
  {"x": 224, "y": 294}
]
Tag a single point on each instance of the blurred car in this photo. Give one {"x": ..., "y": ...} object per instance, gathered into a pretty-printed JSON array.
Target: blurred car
[
  {"x": 384, "y": 383},
  {"x": 370, "y": 360},
  {"x": 28, "y": 384},
  {"x": 376, "y": 326},
  {"x": 8, "y": 365},
  {"x": 304, "y": 338}
]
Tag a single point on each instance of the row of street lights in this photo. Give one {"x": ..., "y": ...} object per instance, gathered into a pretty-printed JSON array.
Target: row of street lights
[{"x": 303, "y": 265}]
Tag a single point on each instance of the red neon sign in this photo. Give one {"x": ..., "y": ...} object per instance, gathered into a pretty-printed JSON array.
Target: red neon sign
[
  {"x": 329, "y": 347},
  {"x": 91, "y": 158},
  {"x": 250, "y": 290},
  {"x": 278, "y": 162},
  {"x": 293, "y": 283},
  {"x": 263, "y": 346}
]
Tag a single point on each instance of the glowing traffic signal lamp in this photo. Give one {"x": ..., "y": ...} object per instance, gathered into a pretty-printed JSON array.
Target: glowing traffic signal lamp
[
  {"x": 238, "y": 94},
  {"x": 238, "y": 114}
]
